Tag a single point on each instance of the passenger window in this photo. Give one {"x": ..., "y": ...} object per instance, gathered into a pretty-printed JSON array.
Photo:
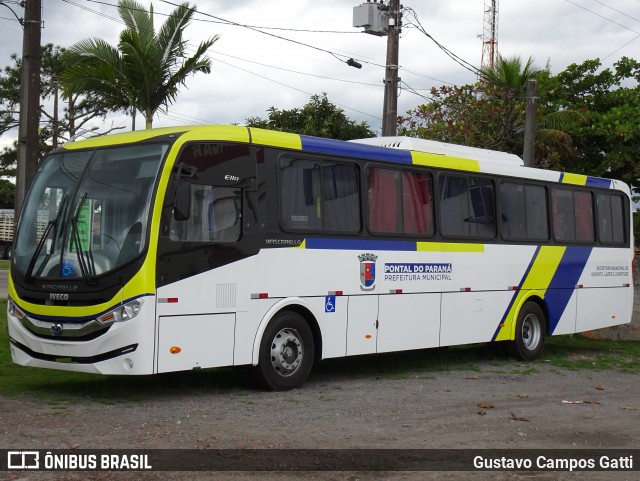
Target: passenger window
[
  {"x": 523, "y": 214},
  {"x": 467, "y": 206},
  {"x": 319, "y": 196},
  {"x": 400, "y": 202},
  {"x": 572, "y": 216}
]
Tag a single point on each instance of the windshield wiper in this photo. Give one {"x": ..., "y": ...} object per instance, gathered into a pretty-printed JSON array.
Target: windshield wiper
[
  {"x": 28, "y": 276},
  {"x": 87, "y": 268}
]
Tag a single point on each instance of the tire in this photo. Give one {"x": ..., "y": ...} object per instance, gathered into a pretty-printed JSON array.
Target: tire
[
  {"x": 530, "y": 333},
  {"x": 286, "y": 352}
]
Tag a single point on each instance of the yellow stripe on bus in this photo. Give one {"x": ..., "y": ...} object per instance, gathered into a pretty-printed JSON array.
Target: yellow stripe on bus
[
  {"x": 276, "y": 139},
  {"x": 537, "y": 282},
  {"x": 445, "y": 161},
  {"x": 448, "y": 247},
  {"x": 575, "y": 179},
  {"x": 205, "y": 133}
]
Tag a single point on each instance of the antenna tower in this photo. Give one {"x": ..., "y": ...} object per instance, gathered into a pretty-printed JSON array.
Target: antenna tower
[{"x": 490, "y": 34}]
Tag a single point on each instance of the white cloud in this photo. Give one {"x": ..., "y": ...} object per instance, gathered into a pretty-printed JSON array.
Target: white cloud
[{"x": 556, "y": 30}]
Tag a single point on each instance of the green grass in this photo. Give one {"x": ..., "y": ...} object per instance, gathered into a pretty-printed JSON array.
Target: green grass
[
  {"x": 578, "y": 352},
  {"x": 56, "y": 387},
  {"x": 4, "y": 265}
]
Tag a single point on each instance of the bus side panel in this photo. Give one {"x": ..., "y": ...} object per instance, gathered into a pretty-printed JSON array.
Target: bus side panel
[
  {"x": 469, "y": 317},
  {"x": 191, "y": 342},
  {"x": 606, "y": 296},
  {"x": 362, "y": 334},
  {"x": 603, "y": 307},
  {"x": 562, "y": 313},
  {"x": 409, "y": 321},
  {"x": 332, "y": 320}
]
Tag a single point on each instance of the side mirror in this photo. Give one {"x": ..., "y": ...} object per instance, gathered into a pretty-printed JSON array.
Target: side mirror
[{"x": 182, "y": 202}]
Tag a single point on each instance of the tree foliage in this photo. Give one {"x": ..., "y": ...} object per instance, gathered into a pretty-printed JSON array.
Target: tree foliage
[
  {"x": 72, "y": 115},
  {"x": 319, "y": 117},
  {"x": 608, "y": 144},
  {"x": 7, "y": 194},
  {"x": 146, "y": 69},
  {"x": 481, "y": 115},
  {"x": 588, "y": 118}
]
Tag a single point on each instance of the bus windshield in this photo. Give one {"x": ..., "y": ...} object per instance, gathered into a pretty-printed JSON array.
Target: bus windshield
[{"x": 87, "y": 212}]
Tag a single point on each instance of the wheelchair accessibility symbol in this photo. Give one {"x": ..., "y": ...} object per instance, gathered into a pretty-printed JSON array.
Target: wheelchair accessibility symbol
[{"x": 330, "y": 304}]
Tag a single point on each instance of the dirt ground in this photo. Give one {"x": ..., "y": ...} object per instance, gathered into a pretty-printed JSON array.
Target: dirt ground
[
  {"x": 461, "y": 409},
  {"x": 490, "y": 407}
]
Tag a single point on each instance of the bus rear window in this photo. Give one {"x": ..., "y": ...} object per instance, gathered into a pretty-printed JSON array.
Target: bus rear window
[{"x": 610, "y": 218}]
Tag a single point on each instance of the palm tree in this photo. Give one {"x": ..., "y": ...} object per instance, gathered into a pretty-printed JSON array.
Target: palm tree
[
  {"x": 510, "y": 72},
  {"x": 508, "y": 79},
  {"x": 144, "y": 72}
]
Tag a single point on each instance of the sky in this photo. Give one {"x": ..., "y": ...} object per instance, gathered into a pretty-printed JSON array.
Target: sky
[{"x": 253, "y": 71}]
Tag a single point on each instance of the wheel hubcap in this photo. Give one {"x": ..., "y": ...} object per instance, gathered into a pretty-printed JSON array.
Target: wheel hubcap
[
  {"x": 531, "y": 332},
  {"x": 286, "y": 352}
]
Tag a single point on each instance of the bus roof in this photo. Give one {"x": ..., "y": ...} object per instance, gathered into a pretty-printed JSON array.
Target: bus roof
[
  {"x": 403, "y": 150},
  {"x": 442, "y": 148}
]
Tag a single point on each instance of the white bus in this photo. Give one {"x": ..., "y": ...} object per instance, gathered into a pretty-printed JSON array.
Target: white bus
[{"x": 185, "y": 248}]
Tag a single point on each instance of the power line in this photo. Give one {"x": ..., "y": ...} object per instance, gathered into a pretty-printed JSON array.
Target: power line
[
  {"x": 225, "y": 22},
  {"x": 460, "y": 61},
  {"x": 405, "y": 69},
  {"x": 618, "y": 49},
  {"x": 335, "y": 53},
  {"x": 234, "y": 23},
  {"x": 104, "y": 15},
  {"x": 616, "y": 10},
  {"x": 255, "y": 29},
  {"x": 298, "y": 72},
  {"x": 291, "y": 87},
  {"x": 410, "y": 89},
  {"x": 602, "y": 16},
  {"x": 12, "y": 19}
]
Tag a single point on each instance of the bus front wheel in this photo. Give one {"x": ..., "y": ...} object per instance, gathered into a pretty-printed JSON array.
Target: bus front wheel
[
  {"x": 530, "y": 333},
  {"x": 286, "y": 352}
]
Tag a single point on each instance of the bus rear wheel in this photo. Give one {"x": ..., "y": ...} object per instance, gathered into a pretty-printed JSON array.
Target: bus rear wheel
[
  {"x": 286, "y": 352},
  {"x": 530, "y": 333}
]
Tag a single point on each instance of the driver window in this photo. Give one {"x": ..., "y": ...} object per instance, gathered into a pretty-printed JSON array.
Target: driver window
[{"x": 214, "y": 215}]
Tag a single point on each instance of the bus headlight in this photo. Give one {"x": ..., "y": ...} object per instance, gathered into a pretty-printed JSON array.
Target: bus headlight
[
  {"x": 122, "y": 313},
  {"x": 15, "y": 310}
]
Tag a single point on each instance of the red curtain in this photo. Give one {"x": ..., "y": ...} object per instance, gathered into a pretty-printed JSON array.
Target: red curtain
[{"x": 383, "y": 201}]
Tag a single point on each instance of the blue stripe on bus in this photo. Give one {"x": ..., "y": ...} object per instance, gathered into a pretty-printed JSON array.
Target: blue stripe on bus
[
  {"x": 598, "y": 182},
  {"x": 352, "y": 149},
  {"x": 564, "y": 281},
  {"x": 515, "y": 293},
  {"x": 561, "y": 177},
  {"x": 358, "y": 244}
]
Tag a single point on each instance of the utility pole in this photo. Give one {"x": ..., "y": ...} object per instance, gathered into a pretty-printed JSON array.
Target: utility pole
[
  {"x": 390, "y": 102},
  {"x": 29, "y": 120},
  {"x": 528, "y": 154},
  {"x": 380, "y": 19}
]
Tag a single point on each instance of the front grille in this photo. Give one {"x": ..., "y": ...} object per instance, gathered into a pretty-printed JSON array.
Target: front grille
[{"x": 70, "y": 331}]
